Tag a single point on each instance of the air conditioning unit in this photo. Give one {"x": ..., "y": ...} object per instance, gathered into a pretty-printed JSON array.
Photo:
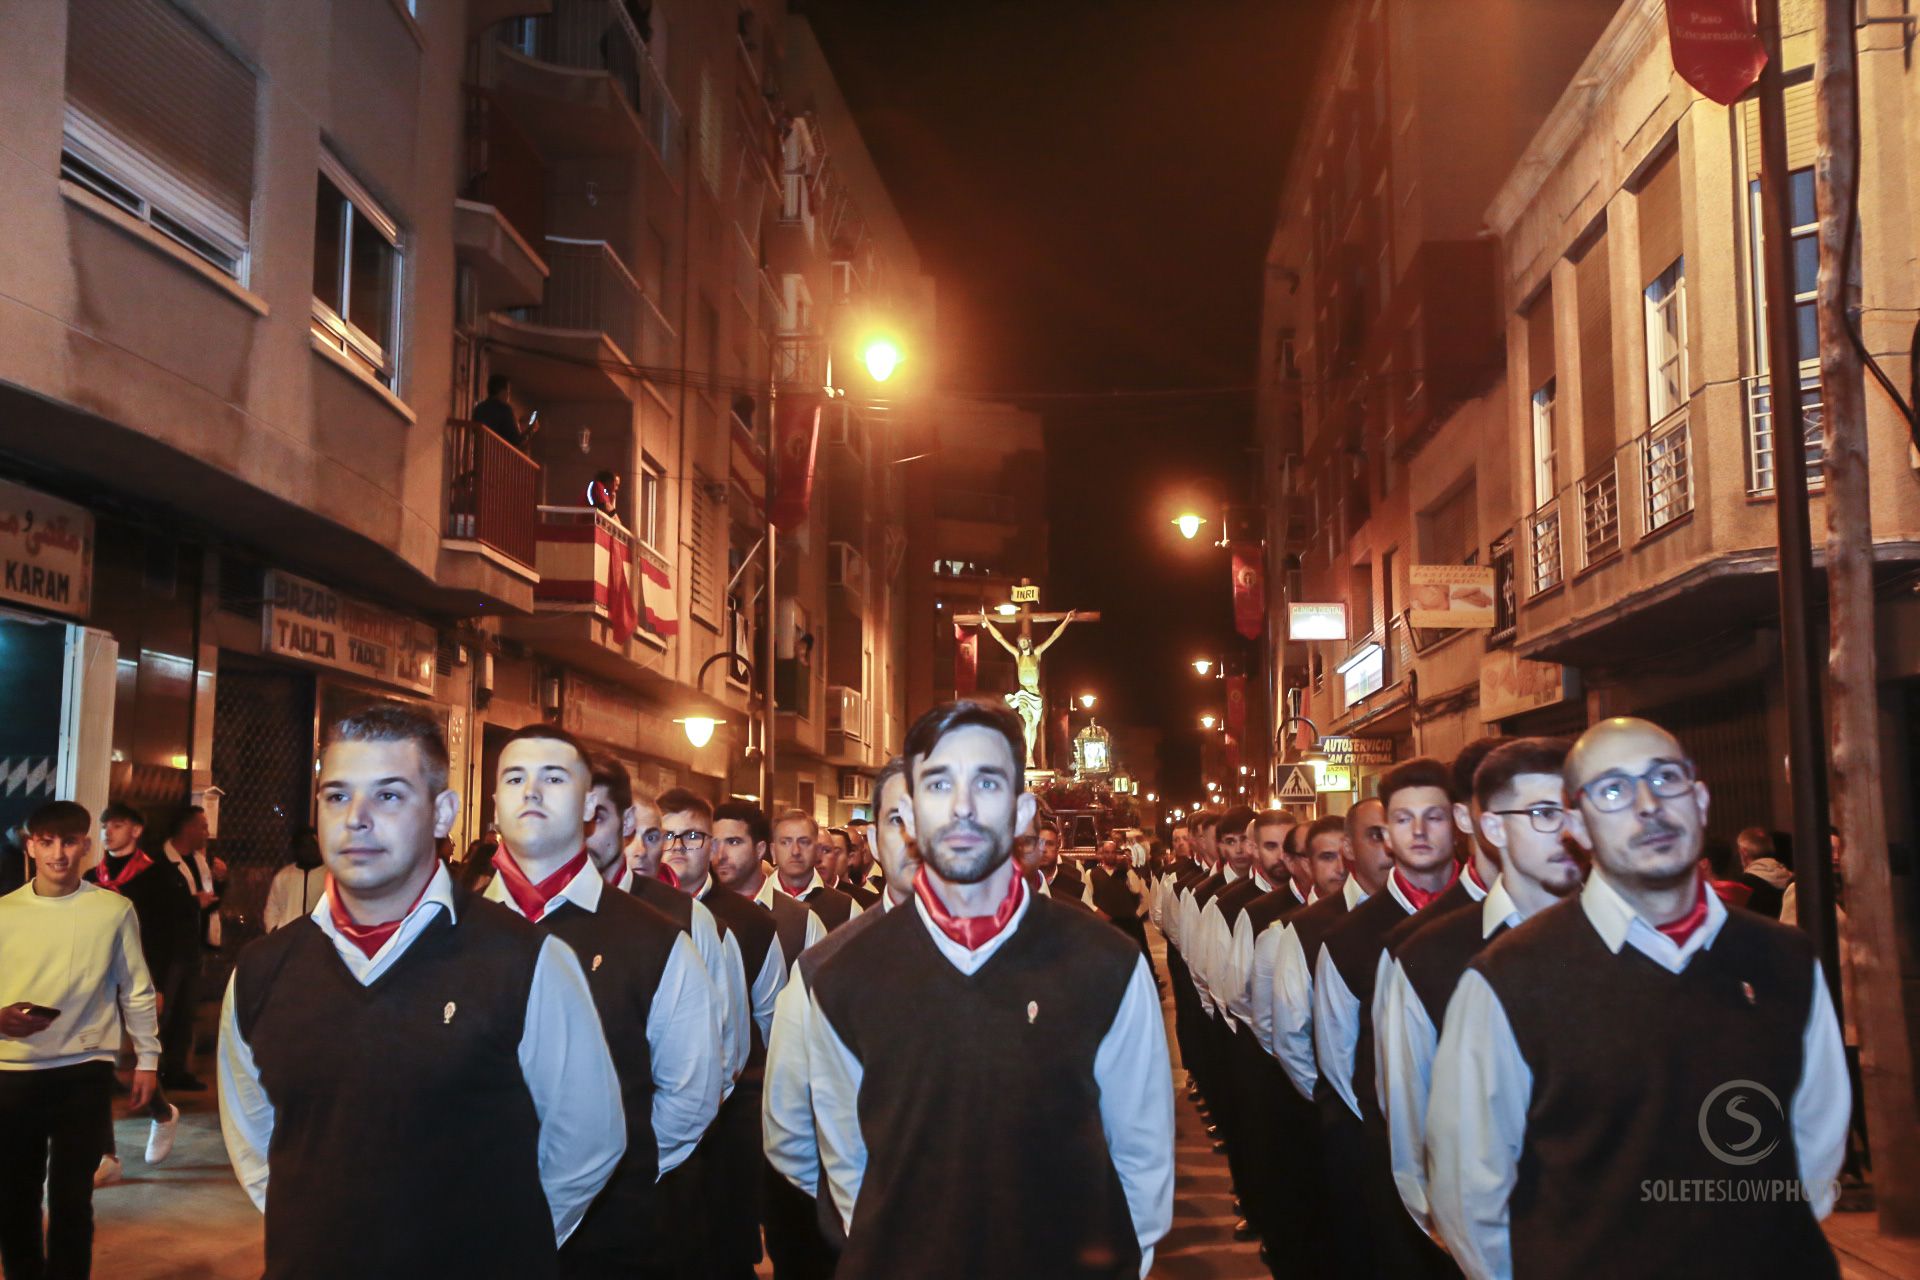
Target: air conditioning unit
[
  {"x": 847, "y": 712},
  {"x": 847, "y": 568},
  {"x": 854, "y": 786}
]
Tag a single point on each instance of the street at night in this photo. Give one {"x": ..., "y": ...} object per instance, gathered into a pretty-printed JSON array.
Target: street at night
[{"x": 786, "y": 639}]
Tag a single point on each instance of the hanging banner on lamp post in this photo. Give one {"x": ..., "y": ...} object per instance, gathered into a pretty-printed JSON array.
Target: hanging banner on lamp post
[
  {"x": 1715, "y": 46},
  {"x": 796, "y": 434},
  {"x": 1249, "y": 601},
  {"x": 966, "y": 661}
]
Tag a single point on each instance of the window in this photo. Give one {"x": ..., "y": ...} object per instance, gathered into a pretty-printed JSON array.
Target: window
[
  {"x": 647, "y": 511},
  {"x": 356, "y": 274},
  {"x": 1667, "y": 341},
  {"x": 1449, "y": 527},
  {"x": 160, "y": 120},
  {"x": 1806, "y": 268},
  {"x": 704, "y": 536},
  {"x": 710, "y": 140},
  {"x": 1546, "y": 469}
]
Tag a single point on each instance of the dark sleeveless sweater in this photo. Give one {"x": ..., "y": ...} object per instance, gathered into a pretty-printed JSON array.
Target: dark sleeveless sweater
[
  {"x": 1111, "y": 894},
  {"x": 789, "y": 925},
  {"x": 753, "y": 932},
  {"x": 1625, "y": 1057},
  {"x": 392, "y": 1100},
  {"x": 980, "y": 1092},
  {"x": 1435, "y": 955},
  {"x": 1355, "y": 946},
  {"x": 832, "y": 906}
]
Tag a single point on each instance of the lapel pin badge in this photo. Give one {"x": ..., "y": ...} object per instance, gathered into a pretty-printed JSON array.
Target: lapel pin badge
[
  {"x": 1746, "y": 989},
  {"x": 446, "y": 1014},
  {"x": 596, "y": 963},
  {"x": 1033, "y": 1011}
]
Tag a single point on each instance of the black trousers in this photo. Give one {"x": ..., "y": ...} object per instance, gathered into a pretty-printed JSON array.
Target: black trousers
[
  {"x": 733, "y": 1160},
  {"x": 1400, "y": 1247},
  {"x": 1302, "y": 1214},
  {"x": 1343, "y": 1153},
  {"x": 50, "y": 1123},
  {"x": 795, "y": 1244},
  {"x": 1257, "y": 1170},
  {"x": 179, "y": 987}
]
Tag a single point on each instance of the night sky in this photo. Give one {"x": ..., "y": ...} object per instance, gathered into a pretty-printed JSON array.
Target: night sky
[{"x": 1092, "y": 185}]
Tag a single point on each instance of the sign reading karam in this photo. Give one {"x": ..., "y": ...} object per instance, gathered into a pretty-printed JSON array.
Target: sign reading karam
[
  {"x": 1316, "y": 621},
  {"x": 1357, "y": 751},
  {"x": 1450, "y": 595},
  {"x": 317, "y": 624},
  {"x": 46, "y": 552}
]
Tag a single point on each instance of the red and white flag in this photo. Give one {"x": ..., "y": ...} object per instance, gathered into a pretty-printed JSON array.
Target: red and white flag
[
  {"x": 1249, "y": 599},
  {"x": 1715, "y": 46},
  {"x": 796, "y": 435}
]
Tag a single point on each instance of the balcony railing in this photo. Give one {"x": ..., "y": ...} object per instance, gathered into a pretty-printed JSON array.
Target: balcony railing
[
  {"x": 1666, "y": 474},
  {"x": 600, "y": 35},
  {"x": 589, "y": 289},
  {"x": 492, "y": 490},
  {"x": 503, "y": 169},
  {"x": 800, "y": 360},
  {"x": 1760, "y": 449},
  {"x": 586, "y": 562},
  {"x": 1544, "y": 565},
  {"x": 1600, "y": 515}
]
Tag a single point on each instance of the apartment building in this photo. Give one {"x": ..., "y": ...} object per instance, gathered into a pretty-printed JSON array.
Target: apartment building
[
  {"x": 1382, "y": 360},
  {"x": 267, "y": 259}
]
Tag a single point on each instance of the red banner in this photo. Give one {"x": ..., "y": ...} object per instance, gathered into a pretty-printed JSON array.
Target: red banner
[
  {"x": 1249, "y": 599},
  {"x": 1237, "y": 707},
  {"x": 796, "y": 433},
  {"x": 966, "y": 661},
  {"x": 1715, "y": 46}
]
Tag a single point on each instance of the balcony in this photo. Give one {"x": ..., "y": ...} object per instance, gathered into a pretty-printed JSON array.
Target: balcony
[
  {"x": 500, "y": 214},
  {"x": 1760, "y": 459},
  {"x": 1544, "y": 571},
  {"x": 594, "y": 332},
  {"x": 487, "y": 538},
  {"x": 1666, "y": 455},
  {"x": 1600, "y": 515},
  {"x": 583, "y": 82}
]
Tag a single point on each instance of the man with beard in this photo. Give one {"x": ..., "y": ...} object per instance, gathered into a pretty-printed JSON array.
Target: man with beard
[
  {"x": 1025, "y": 1130},
  {"x": 1114, "y": 890},
  {"x": 810, "y": 1232},
  {"x": 796, "y": 855},
  {"x": 1590, "y": 1057},
  {"x": 741, "y": 836},
  {"x": 408, "y": 1042},
  {"x": 1520, "y": 815},
  {"x": 655, "y": 1001}
]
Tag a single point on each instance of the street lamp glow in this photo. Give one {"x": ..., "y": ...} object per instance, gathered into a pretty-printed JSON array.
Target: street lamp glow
[
  {"x": 1244, "y": 771},
  {"x": 699, "y": 729},
  {"x": 1189, "y": 524},
  {"x": 1152, "y": 797},
  {"x": 1203, "y": 665},
  {"x": 882, "y": 357},
  {"x": 1087, "y": 700},
  {"x": 1209, "y": 720},
  {"x": 1006, "y": 610}
]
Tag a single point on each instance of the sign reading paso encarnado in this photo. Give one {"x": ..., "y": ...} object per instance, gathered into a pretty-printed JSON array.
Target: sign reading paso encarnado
[
  {"x": 1450, "y": 595},
  {"x": 317, "y": 624},
  {"x": 46, "y": 552}
]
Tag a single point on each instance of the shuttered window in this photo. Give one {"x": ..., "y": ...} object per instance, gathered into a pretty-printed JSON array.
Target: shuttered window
[
  {"x": 1658, "y": 204},
  {"x": 161, "y": 120},
  {"x": 1540, "y": 376},
  {"x": 1800, "y": 124},
  {"x": 703, "y": 589},
  {"x": 1591, "y": 286},
  {"x": 1449, "y": 530}
]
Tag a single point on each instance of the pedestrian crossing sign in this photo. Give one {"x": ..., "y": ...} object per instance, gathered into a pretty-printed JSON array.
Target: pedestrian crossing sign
[{"x": 1299, "y": 784}]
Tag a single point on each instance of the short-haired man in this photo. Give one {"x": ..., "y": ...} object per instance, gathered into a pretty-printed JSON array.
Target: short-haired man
[
  {"x": 1519, "y": 808},
  {"x": 169, "y": 924},
  {"x": 741, "y": 837},
  {"x": 796, "y": 853},
  {"x": 1190, "y": 892},
  {"x": 1059, "y": 878},
  {"x": 804, "y": 1231},
  {"x": 1044, "y": 1066},
  {"x": 73, "y": 976},
  {"x": 834, "y": 853},
  {"x": 655, "y": 1001},
  {"x": 1546, "y": 1131},
  {"x": 1233, "y": 838},
  {"x": 1766, "y": 877},
  {"x": 1114, "y": 889},
  {"x": 409, "y": 1041},
  {"x": 205, "y": 878},
  {"x": 858, "y": 881}
]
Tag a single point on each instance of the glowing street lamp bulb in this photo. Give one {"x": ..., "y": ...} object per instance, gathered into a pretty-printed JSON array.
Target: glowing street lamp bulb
[
  {"x": 1189, "y": 525},
  {"x": 1087, "y": 700},
  {"x": 1203, "y": 665},
  {"x": 1244, "y": 771},
  {"x": 1208, "y": 721},
  {"x": 882, "y": 358},
  {"x": 699, "y": 729},
  {"x": 1152, "y": 796}
]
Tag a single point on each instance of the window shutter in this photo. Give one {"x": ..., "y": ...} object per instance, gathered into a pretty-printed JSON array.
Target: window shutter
[
  {"x": 149, "y": 89},
  {"x": 1658, "y": 204},
  {"x": 702, "y": 590},
  {"x": 1452, "y": 528},
  {"x": 1591, "y": 286},
  {"x": 1800, "y": 128},
  {"x": 1540, "y": 362}
]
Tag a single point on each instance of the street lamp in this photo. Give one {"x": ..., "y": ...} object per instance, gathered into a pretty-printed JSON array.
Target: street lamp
[
  {"x": 1153, "y": 797},
  {"x": 1087, "y": 700},
  {"x": 1209, "y": 720},
  {"x": 1203, "y": 665},
  {"x": 699, "y": 729},
  {"x": 1188, "y": 523},
  {"x": 882, "y": 357}
]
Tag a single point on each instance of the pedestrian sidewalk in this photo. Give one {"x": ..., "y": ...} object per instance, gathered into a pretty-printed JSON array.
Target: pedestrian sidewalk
[{"x": 185, "y": 1218}]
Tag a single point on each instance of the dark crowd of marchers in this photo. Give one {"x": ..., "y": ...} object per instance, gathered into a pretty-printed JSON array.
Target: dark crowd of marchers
[{"x": 1501, "y": 1018}]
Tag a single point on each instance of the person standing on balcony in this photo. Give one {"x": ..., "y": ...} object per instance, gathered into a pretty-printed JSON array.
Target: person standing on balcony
[
  {"x": 603, "y": 494},
  {"x": 497, "y": 414}
]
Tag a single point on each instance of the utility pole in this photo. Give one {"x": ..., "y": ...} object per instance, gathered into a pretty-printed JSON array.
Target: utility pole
[
  {"x": 1799, "y": 664},
  {"x": 1886, "y": 1062}
]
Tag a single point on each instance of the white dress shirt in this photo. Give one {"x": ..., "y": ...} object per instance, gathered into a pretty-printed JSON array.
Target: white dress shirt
[
  {"x": 78, "y": 953},
  {"x": 1337, "y": 1014},
  {"x": 773, "y": 886},
  {"x": 1404, "y": 1040},
  {"x": 1293, "y": 1002},
  {"x": 563, "y": 1057},
  {"x": 683, "y": 1044},
  {"x": 1209, "y": 939},
  {"x": 1264, "y": 954},
  {"x": 1132, "y": 882},
  {"x": 732, "y": 1007},
  {"x": 1130, "y": 1068},
  {"x": 1233, "y": 964},
  {"x": 1477, "y": 1111}
]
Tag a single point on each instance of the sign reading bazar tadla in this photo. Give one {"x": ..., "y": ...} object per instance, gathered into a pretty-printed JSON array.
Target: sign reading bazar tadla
[
  {"x": 1450, "y": 595},
  {"x": 317, "y": 624},
  {"x": 1316, "y": 621},
  {"x": 1357, "y": 751},
  {"x": 46, "y": 552}
]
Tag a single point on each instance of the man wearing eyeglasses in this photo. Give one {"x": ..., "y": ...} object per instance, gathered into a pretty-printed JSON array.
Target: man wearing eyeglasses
[
  {"x": 1519, "y": 814},
  {"x": 1639, "y": 1081}
]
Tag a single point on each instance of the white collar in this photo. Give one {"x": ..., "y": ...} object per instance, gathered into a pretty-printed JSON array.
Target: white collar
[
  {"x": 1305, "y": 900},
  {"x": 1474, "y": 891},
  {"x": 439, "y": 894},
  {"x": 1497, "y": 909},
  {"x": 1352, "y": 891},
  {"x": 1398, "y": 894},
  {"x": 583, "y": 891},
  {"x": 1618, "y": 924},
  {"x": 1226, "y": 869},
  {"x": 1261, "y": 881},
  {"x": 969, "y": 962},
  {"x": 707, "y": 885}
]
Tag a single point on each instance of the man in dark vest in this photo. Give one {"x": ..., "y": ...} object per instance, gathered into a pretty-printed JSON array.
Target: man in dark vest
[
  {"x": 1233, "y": 838},
  {"x": 655, "y": 1002},
  {"x": 1520, "y": 815},
  {"x": 796, "y": 854},
  {"x": 1197, "y": 1052},
  {"x": 1061, "y": 877},
  {"x": 793, "y": 1148},
  {"x": 1114, "y": 889},
  {"x": 1027, "y": 1130},
  {"x": 1635, "y": 1046},
  {"x": 738, "y": 863},
  {"x": 409, "y": 1042}
]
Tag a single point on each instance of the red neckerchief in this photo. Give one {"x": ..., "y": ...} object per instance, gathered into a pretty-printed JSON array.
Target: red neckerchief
[
  {"x": 135, "y": 865},
  {"x": 368, "y": 937},
  {"x": 799, "y": 896},
  {"x": 1683, "y": 928},
  {"x": 971, "y": 932},
  {"x": 1473, "y": 874},
  {"x": 531, "y": 898},
  {"x": 615, "y": 873},
  {"x": 1421, "y": 897},
  {"x": 667, "y": 876}
]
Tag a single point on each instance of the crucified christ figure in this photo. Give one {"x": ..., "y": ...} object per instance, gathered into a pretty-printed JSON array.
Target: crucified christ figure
[{"x": 1026, "y": 699}]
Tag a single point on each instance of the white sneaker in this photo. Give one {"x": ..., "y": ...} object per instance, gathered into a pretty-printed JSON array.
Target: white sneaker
[
  {"x": 160, "y": 1135},
  {"x": 108, "y": 1173}
]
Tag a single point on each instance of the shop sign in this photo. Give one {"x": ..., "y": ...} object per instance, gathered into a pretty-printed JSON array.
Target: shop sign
[
  {"x": 1450, "y": 595},
  {"x": 311, "y": 623},
  {"x": 1357, "y": 751},
  {"x": 1317, "y": 621},
  {"x": 1334, "y": 777},
  {"x": 1511, "y": 685},
  {"x": 46, "y": 552}
]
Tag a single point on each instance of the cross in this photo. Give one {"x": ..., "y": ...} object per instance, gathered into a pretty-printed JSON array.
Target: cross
[{"x": 1027, "y": 700}]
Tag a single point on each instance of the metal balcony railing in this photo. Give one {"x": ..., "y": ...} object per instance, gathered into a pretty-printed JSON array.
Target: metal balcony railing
[
  {"x": 492, "y": 491},
  {"x": 1600, "y": 514},
  {"x": 1760, "y": 445},
  {"x": 589, "y": 289},
  {"x": 600, "y": 35},
  {"x": 1544, "y": 565},
  {"x": 1666, "y": 475}
]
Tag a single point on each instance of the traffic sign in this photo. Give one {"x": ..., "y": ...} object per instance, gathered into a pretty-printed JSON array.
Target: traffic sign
[{"x": 1299, "y": 785}]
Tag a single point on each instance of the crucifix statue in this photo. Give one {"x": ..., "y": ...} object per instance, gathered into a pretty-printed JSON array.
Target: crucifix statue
[{"x": 1027, "y": 700}]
